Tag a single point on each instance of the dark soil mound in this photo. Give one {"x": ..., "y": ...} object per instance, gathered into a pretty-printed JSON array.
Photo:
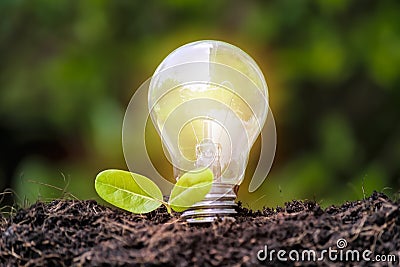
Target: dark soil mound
[{"x": 67, "y": 232}]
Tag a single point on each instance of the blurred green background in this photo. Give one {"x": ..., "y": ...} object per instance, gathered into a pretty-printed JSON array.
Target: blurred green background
[{"x": 69, "y": 68}]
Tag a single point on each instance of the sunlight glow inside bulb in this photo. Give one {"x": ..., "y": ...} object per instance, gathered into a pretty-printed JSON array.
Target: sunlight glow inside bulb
[{"x": 209, "y": 102}]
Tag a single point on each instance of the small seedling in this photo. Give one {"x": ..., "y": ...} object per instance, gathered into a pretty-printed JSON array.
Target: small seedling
[{"x": 138, "y": 194}]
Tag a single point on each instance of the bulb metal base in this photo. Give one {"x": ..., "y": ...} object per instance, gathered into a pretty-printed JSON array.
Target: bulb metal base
[{"x": 218, "y": 203}]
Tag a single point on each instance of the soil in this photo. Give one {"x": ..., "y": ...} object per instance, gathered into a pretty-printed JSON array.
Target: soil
[{"x": 84, "y": 233}]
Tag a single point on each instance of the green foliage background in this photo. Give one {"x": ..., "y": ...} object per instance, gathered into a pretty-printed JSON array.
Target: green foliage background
[{"x": 69, "y": 68}]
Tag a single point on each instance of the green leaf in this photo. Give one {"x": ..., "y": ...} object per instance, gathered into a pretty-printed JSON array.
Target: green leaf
[
  {"x": 128, "y": 191},
  {"x": 191, "y": 188}
]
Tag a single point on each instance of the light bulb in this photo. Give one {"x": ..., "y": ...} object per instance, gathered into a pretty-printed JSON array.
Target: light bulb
[{"x": 209, "y": 101}]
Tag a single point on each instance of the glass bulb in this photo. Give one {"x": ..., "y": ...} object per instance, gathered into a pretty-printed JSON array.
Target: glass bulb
[{"x": 209, "y": 101}]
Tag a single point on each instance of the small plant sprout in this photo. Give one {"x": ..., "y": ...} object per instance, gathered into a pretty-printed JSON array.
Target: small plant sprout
[{"x": 138, "y": 194}]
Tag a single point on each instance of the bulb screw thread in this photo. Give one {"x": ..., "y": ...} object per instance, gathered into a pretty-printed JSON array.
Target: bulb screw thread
[{"x": 218, "y": 203}]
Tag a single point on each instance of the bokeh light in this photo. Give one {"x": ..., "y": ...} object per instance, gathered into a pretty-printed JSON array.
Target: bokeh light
[{"x": 69, "y": 68}]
